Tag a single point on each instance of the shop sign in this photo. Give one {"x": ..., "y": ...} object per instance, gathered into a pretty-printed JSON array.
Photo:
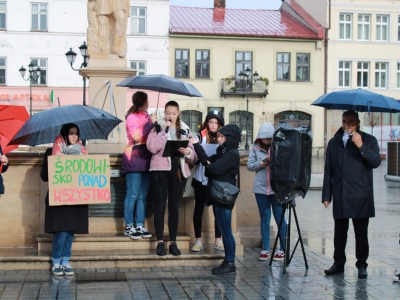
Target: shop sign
[{"x": 24, "y": 97}]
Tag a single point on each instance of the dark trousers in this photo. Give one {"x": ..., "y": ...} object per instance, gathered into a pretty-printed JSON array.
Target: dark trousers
[
  {"x": 167, "y": 184},
  {"x": 200, "y": 200},
  {"x": 340, "y": 240}
]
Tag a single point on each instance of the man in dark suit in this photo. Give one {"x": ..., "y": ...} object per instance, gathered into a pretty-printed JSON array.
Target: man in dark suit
[{"x": 348, "y": 182}]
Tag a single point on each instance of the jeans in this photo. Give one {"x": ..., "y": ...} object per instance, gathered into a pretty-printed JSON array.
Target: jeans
[
  {"x": 61, "y": 248},
  {"x": 137, "y": 187},
  {"x": 200, "y": 200},
  {"x": 167, "y": 184},
  {"x": 223, "y": 217},
  {"x": 264, "y": 203}
]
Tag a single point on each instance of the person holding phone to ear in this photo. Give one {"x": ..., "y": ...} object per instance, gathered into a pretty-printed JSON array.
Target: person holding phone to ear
[{"x": 259, "y": 162}]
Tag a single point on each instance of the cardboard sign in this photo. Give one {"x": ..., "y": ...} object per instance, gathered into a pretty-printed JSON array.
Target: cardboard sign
[{"x": 79, "y": 179}]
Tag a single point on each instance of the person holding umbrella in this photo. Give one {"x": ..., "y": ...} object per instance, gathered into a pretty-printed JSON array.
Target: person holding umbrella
[
  {"x": 66, "y": 220},
  {"x": 351, "y": 156},
  {"x": 3, "y": 168},
  {"x": 168, "y": 173},
  {"x": 136, "y": 165},
  {"x": 208, "y": 140}
]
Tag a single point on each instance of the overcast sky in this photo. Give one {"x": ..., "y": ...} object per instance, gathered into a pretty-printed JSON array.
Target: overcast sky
[{"x": 250, "y": 4}]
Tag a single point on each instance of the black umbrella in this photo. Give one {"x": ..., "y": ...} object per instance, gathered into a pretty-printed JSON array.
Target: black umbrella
[
  {"x": 43, "y": 127},
  {"x": 162, "y": 84}
]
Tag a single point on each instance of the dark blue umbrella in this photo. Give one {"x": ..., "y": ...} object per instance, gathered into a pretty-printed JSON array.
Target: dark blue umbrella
[
  {"x": 43, "y": 127},
  {"x": 162, "y": 84},
  {"x": 359, "y": 100}
]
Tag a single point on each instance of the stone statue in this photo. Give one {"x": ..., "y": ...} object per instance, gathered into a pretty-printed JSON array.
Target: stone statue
[{"x": 106, "y": 32}]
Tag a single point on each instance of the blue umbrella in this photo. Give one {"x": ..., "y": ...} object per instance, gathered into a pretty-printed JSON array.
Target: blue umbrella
[
  {"x": 43, "y": 127},
  {"x": 359, "y": 100},
  {"x": 162, "y": 84}
]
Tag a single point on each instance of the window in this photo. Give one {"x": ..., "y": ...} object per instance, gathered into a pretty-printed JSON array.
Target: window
[
  {"x": 293, "y": 118},
  {"x": 398, "y": 28},
  {"x": 2, "y": 70},
  {"x": 244, "y": 120},
  {"x": 3, "y": 13},
  {"x": 344, "y": 73},
  {"x": 42, "y": 63},
  {"x": 182, "y": 63},
  {"x": 139, "y": 67},
  {"x": 283, "y": 66},
  {"x": 381, "y": 75},
  {"x": 39, "y": 16},
  {"x": 244, "y": 60},
  {"x": 193, "y": 119},
  {"x": 202, "y": 63},
  {"x": 303, "y": 67},
  {"x": 398, "y": 75},
  {"x": 362, "y": 74},
  {"x": 363, "y": 27},
  {"x": 138, "y": 20},
  {"x": 382, "y": 28},
  {"x": 345, "y": 26}
]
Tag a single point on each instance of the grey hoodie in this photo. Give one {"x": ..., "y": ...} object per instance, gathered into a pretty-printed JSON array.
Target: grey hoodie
[{"x": 262, "y": 183}]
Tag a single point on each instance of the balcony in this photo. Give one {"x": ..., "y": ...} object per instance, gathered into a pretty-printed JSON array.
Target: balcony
[{"x": 238, "y": 87}]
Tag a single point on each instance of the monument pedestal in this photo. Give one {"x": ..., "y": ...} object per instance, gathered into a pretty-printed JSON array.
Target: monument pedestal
[{"x": 104, "y": 75}]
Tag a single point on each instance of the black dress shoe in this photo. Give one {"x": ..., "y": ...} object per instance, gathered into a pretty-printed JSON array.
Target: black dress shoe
[
  {"x": 334, "y": 270},
  {"x": 173, "y": 249},
  {"x": 362, "y": 273},
  {"x": 224, "y": 268},
  {"x": 160, "y": 251}
]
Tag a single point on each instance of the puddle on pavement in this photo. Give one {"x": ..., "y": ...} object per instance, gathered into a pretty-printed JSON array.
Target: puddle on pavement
[{"x": 100, "y": 277}]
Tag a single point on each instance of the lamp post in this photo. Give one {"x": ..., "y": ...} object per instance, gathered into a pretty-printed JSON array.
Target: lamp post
[
  {"x": 250, "y": 80},
  {"x": 34, "y": 74},
  {"x": 71, "y": 55}
]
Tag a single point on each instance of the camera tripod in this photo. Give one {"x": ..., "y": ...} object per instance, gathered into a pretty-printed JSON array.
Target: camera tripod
[{"x": 288, "y": 258}]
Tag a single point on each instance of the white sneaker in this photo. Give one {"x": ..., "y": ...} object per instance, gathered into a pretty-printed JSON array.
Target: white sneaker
[
  {"x": 396, "y": 278},
  {"x": 219, "y": 245},
  {"x": 57, "y": 270},
  {"x": 197, "y": 247}
]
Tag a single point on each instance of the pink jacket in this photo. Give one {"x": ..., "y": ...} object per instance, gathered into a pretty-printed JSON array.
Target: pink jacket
[{"x": 155, "y": 144}]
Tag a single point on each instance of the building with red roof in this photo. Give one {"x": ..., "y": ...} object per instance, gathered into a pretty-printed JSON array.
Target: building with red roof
[{"x": 212, "y": 47}]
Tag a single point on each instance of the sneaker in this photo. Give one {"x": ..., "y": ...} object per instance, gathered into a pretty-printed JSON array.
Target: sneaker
[
  {"x": 224, "y": 268},
  {"x": 280, "y": 255},
  {"x": 264, "y": 255},
  {"x": 197, "y": 247},
  {"x": 132, "y": 233},
  {"x": 67, "y": 269},
  {"x": 396, "y": 278},
  {"x": 57, "y": 270},
  {"x": 219, "y": 245},
  {"x": 143, "y": 232}
]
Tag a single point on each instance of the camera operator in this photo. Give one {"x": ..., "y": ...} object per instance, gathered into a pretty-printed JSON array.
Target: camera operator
[{"x": 348, "y": 181}]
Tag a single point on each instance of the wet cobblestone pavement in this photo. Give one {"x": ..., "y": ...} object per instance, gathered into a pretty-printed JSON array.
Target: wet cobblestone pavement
[{"x": 254, "y": 279}]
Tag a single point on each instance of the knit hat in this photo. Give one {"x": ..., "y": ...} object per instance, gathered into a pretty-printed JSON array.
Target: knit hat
[
  {"x": 266, "y": 131},
  {"x": 213, "y": 114}
]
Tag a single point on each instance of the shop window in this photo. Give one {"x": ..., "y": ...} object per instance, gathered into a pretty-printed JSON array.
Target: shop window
[
  {"x": 39, "y": 16},
  {"x": 244, "y": 120},
  {"x": 138, "y": 20},
  {"x": 193, "y": 119}
]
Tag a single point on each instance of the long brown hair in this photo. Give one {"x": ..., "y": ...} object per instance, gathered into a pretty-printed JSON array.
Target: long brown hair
[
  {"x": 178, "y": 119},
  {"x": 138, "y": 100}
]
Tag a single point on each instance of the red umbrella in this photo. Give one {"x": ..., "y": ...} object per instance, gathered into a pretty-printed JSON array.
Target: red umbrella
[{"x": 11, "y": 120}]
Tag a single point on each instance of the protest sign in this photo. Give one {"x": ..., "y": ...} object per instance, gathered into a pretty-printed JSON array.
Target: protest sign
[{"x": 79, "y": 179}]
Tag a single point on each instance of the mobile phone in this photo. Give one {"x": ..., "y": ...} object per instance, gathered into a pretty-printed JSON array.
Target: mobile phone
[{"x": 265, "y": 159}]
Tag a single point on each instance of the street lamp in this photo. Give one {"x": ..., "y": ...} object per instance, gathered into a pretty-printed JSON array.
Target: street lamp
[
  {"x": 71, "y": 55},
  {"x": 34, "y": 74},
  {"x": 250, "y": 81}
]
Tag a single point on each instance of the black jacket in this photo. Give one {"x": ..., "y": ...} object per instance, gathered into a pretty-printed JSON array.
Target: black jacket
[
  {"x": 65, "y": 217},
  {"x": 224, "y": 164},
  {"x": 348, "y": 176},
  {"x": 5, "y": 167}
]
